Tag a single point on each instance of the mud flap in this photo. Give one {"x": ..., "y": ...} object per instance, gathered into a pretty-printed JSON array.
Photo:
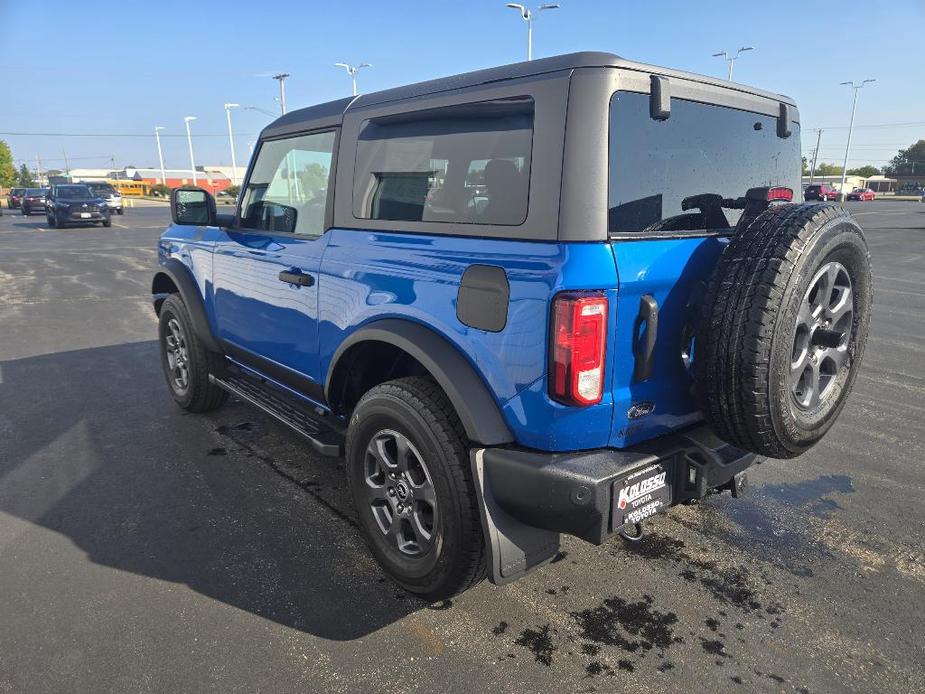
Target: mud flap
[{"x": 514, "y": 549}]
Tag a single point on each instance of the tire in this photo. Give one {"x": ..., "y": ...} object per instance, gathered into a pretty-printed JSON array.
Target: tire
[
  {"x": 771, "y": 375},
  {"x": 107, "y": 222},
  {"x": 119, "y": 211},
  {"x": 452, "y": 559},
  {"x": 52, "y": 220},
  {"x": 195, "y": 393}
]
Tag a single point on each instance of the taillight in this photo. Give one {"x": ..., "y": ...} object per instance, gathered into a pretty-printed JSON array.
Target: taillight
[
  {"x": 780, "y": 193},
  {"x": 579, "y": 340}
]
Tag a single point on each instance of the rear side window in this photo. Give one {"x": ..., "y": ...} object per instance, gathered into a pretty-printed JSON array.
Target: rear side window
[
  {"x": 465, "y": 164},
  {"x": 700, "y": 148}
]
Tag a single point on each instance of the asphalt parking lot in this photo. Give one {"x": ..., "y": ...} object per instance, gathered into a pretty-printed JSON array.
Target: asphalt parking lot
[{"x": 143, "y": 549}]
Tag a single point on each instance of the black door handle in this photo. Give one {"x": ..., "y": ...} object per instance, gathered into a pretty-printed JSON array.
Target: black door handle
[
  {"x": 644, "y": 344},
  {"x": 296, "y": 277}
]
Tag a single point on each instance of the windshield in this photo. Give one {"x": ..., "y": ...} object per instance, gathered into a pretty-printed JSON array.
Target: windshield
[
  {"x": 700, "y": 149},
  {"x": 104, "y": 189},
  {"x": 74, "y": 192}
]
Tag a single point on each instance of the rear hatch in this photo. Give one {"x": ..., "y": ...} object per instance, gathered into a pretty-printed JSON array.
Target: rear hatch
[{"x": 665, "y": 249}]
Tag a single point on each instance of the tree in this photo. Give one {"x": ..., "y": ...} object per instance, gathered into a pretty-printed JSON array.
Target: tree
[
  {"x": 865, "y": 171},
  {"x": 805, "y": 167},
  {"x": 26, "y": 179},
  {"x": 823, "y": 169},
  {"x": 7, "y": 170},
  {"x": 908, "y": 161}
]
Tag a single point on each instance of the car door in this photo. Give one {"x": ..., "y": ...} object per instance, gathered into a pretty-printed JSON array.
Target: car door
[{"x": 265, "y": 269}]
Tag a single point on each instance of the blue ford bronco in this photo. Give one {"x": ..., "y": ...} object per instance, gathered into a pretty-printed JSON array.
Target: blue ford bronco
[{"x": 552, "y": 297}]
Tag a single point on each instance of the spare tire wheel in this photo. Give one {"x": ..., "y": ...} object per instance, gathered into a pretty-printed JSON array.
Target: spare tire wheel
[{"x": 782, "y": 328}]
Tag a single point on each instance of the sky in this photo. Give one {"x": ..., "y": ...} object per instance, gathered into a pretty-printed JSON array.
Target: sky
[{"x": 91, "y": 80}]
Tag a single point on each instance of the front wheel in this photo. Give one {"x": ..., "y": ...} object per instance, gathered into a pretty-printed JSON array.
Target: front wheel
[
  {"x": 185, "y": 360},
  {"x": 107, "y": 222},
  {"x": 408, "y": 470}
]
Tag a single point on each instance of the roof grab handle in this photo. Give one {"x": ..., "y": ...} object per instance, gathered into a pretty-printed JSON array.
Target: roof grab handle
[
  {"x": 659, "y": 98},
  {"x": 783, "y": 121}
]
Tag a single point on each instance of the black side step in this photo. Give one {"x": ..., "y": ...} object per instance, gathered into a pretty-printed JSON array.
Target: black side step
[{"x": 324, "y": 439}]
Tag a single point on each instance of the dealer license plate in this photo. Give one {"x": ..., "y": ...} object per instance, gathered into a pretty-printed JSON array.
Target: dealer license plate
[{"x": 640, "y": 494}]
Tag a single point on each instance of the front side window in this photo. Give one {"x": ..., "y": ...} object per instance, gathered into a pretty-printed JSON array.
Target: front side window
[
  {"x": 288, "y": 188},
  {"x": 701, "y": 149},
  {"x": 467, "y": 164}
]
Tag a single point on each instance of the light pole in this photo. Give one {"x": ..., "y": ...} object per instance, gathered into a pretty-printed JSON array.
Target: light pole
[
  {"x": 160, "y": 152},
  {"x": 352, "y": 71},
  {"x": 528, "y": 16},
  {"x": 812, "y": 171},
  {"x": 265, "y": 111},
  {"x": 189, "y": 139},
  {"x": 281, "y": 78},
  {"x": 234, "y": 165},
  {"x": 854, "y": 107},
  {"x": 731, "y": 59}
]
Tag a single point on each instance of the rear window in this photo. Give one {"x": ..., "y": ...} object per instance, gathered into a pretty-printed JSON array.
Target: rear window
[
  {"x": 467, "y": 164},
  {"x": 700, "y": 148},
  {"x": 34, "y": 192}
]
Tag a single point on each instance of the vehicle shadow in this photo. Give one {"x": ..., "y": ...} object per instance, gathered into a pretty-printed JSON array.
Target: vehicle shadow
[{"x": 92, "y": 447}]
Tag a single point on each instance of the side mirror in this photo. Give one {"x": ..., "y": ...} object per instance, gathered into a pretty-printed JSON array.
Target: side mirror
[
  {"x": 270, "y": 216},
  {"x": 192, "y": 206}
]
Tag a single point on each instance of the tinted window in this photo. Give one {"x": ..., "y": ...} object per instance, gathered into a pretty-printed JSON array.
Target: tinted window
[
  {"x": 700, "y": 148},
  {"x": 290, "y": 176},
  {"x": 465, "y": 164},
  {"x": 33, "y": 192}
]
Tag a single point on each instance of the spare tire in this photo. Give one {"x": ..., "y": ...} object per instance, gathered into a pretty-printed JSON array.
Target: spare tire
[{"x": 782, "y": 328}]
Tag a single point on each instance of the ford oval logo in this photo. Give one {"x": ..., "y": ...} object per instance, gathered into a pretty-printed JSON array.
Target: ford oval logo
[{"x": 640, "y": 409}]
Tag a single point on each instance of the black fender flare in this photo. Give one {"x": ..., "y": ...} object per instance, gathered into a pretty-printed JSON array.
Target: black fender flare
[
  {"x": 474, "y": 404},
  {"x": 183, "y": 280}
]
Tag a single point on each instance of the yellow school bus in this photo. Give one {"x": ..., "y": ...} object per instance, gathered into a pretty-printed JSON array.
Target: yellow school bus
[{"x": 135, "y": 189}]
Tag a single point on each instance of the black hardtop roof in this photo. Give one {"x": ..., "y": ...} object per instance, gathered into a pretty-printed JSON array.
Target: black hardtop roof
[{"x": 331, "y": 113}]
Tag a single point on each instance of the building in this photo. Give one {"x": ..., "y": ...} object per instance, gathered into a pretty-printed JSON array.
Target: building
[
  {"x": 882, "y": 184},
  {"x": 851, "y": 182},
  {"x": 206, "y": 177},
  {"x": 211, "y": 178}
]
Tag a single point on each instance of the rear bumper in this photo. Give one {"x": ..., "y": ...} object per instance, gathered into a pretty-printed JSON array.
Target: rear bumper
[{"x": 574, "y": 493}]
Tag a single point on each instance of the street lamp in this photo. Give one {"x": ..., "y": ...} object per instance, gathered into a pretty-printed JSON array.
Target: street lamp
[
  {"x": 234, "y": 164},
  {"x": 352, "y": 71},
  {"x": 265, "y": 111},
  {"x": 160, "y": 153},
  {"x": 732, "y": 58},
  {"x": 528, "y": 16},
  {"x": 189, "y": 139},
  {"x": 854, "y": 107}
]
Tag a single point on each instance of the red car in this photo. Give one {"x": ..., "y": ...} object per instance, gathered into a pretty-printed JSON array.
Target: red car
[
  {"x": 820, "y": 191},
  {"x": 863, "y": 194}
]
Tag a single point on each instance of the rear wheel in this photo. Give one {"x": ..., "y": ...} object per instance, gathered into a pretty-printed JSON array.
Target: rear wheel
[
  {"x": 185, "y": 360},
  {"x": 408, "y": 469},
  {"x": 783, "y": 329}
]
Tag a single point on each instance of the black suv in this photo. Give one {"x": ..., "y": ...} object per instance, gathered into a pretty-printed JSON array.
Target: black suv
[{"x": 72, "y": 203}]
